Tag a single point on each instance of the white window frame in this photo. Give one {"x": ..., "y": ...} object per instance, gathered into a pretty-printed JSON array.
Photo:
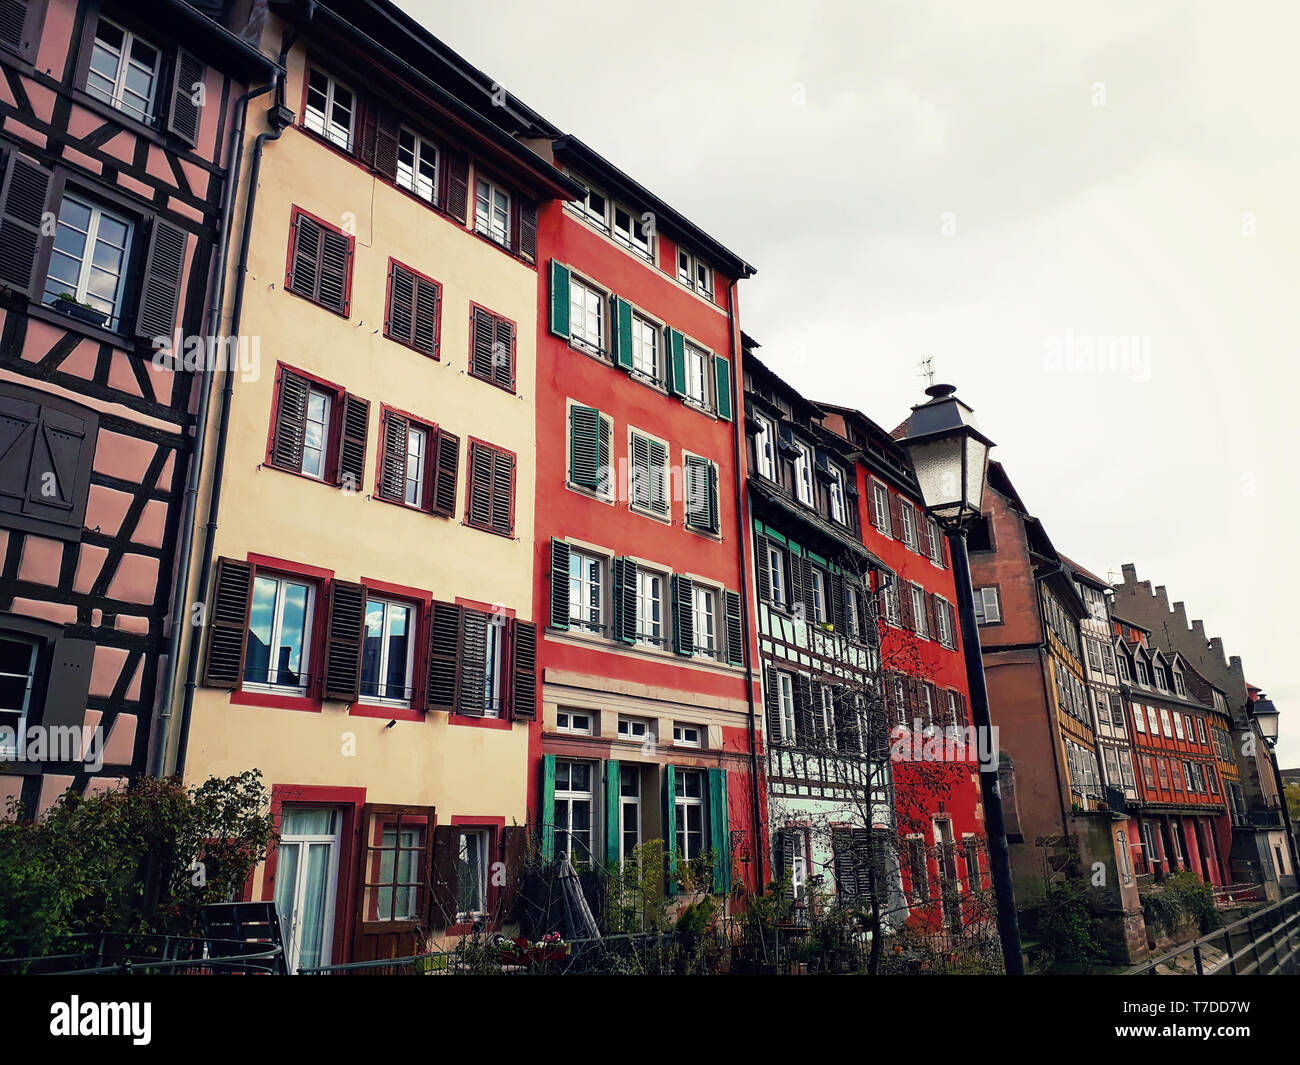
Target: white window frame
[
  {"x": 644, "y": 636},
  {"x": 683, "y": 802},
  {"x": 983, "y": 616},
  {"x": 944, "y": 620},
  {"x": 704, "y": 615},
  {"x": 85, "y": 264},
  {"x": 569, "y": 796},
  {"x": 417, "y": 451},
  {"x": 775, "y": 563},
  {"x": 908, "y": 514},
  {"x": 591, "y": 297},
  {"x": 487, "y": 226},
  {"x": 419, "y": 149},
  {"x": 827, "y": 699},
  {"x": 646, "y": 349},
  {"x": 125, "y": 60},
  {"x": 1178, "y": 726},
  {"x": 880, "y": 500},
  {"x": 680, "y": 738},
  {"x": 324, "y": 422},
  {"x": 697, "y": 361},
  {"x": 412, "y": 624},
  {"x": 494, "y": 663},
  {"x": 921, "y": 616},
  {"x": 694, "y": 274},
  {"x": 765, "y": 447},
  {"x": 584, "y": 619},
  {"x": 785, "y": 706},
  {"x": 838, "y": 497},
  {"x": 1166, "y": 725},
  {"x": 566, "y": 721},
  {"x": 478, "y": 838},
  {"x": 20, "y": 726},
  {"x": 820, "y": 613},
  {"x": 277, "y": 623},
  {"x": 893, "y": 604},
  {"x": 627, "y": 237},
  {"x": 936, "y": 542},
  {"x": 326, "y": 123},
  {"x": 582, "y": 208},
  {"x": 1139, "y": 718},
  {"x": 803, "y": 474},
  {"x": 632, "y": 729}
]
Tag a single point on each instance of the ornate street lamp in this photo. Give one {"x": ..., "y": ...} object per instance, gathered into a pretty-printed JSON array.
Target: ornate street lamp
[
  {"x": 1266, "y": 717},
  {"x": 950, "y": 457}
]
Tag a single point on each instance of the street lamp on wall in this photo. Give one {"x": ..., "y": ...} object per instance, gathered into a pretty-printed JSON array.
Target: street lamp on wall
[
  {"x": 1266, "y": 717},
  {"x": 950, "y": 458}
]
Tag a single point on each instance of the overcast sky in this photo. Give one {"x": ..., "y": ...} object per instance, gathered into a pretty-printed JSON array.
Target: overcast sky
[{"x": 1002, "y": 186}]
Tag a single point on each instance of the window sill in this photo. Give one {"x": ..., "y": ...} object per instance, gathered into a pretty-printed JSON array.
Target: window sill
[
  {"x": 392, "y": 713},
  {"x": 470, "y": 721},
  {"x": 707, "y": 534},
  {"x": 508, "y": 389},
  {"x": 344, "y": 314},
  {"x": 435, "y": 355},
  {"x": 491, "y": 532},
  {"x": 268, "y": 464},
  {"x": 155, "y": 134},
  {"x": 588, "y": 493},
  {"x": 242, "y": 697},
  {"x": 590, "y": 350},
  {"x": 75, "y": 325},
  {"x": 662, "y": 519}
]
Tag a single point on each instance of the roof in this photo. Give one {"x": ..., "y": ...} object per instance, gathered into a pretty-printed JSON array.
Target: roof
[
  {"x": 807, "y": 518},
  {"x": 799, "y": 402},
  {"x": 236, "y": 54},
  {"x": 1087, "y": 575}
]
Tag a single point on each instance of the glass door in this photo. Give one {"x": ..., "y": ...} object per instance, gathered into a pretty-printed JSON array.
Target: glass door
[{"x": 305, "y": 880}]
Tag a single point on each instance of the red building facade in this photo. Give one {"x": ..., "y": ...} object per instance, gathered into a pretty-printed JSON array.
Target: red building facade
[{"x": 646, "y": 731}]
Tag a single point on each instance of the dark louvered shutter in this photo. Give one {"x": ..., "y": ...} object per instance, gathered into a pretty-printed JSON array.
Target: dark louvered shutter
[
  {"x": 428, "y": 298},
  {"x": 803, "y": 708},
  {"x": 658, "y": 456},
  {"x": 523, "y": 694},
  {"x": 625, "y": 580},
  {"x": 187, "y": 82},
  {"x": 442, "y": 690},
  {"x": 639, "y": 493},
  {"x": 846, "y": 877},
  {"x": 907, "y": 615},
  {"x": 336, "y": 257},
  {"x": 304, "y": 264},
  {"x": 455, "y": 197},
  {"x": 795, "y": 598},
  {"x": 676, "y": 362},
  {"x": 290, "y": 420},
  {"x": 896, "y": 516},
  {"x": 526, "y": 230},
  {"x": 482, "y": 339},
  {"x": 387, "y": 133},
  {"x": 683, "y": 614},
  {"x": 697, "y": 488},
  {"x": 772, "y": 704},
  {"x": 352, "y": 443},
  {"x": 369, "y": 134},
  {"x": 20, "y": 27},
  {"x": 503, "y": 353},
  {"x": 471, "y": 699},
  {"x": 762, "y": 574},
  {"x": 445, "y": 466},
  {"x": 392, "y": 470},
  {"x": 735, "y": 633},
  {"x": 503, "y": 493},
  {"x": 559, "y": 584},
  {"x": 711, "y": 489},
  {"x": 932, "y": 615},
  {"x": 24, "y": 199},
  {"x": 479, "y": 502},
  {"x": 160, "y": 284},
  {"x": 839, "y": 618},
  {"x": 223, "y": 666},
  {"x": 584, "y": 447},
  {"x": 343, "y": 637},
  {"x": 809, "y": 592},
  {"x": 622, "y": 332},
  {"x": 560, "y": 306},
  {"x": 401, "y": 304}
]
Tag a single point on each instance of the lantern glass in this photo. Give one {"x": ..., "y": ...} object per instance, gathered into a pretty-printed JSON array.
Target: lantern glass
[
  {"x": 949, "y": 456},
  {"x": 1266, "y": 718}
]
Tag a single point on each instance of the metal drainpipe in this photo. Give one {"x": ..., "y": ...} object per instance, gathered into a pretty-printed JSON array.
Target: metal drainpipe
[
  {"x": 738, "y": 435},
  {"x": 158, "y": 756},
  {"x": 279, "y": 124}
]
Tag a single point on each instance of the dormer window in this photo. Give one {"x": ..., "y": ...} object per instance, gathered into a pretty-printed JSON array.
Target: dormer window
[
  {"x": 803, "y": 473},
  {"x": 632, "y": 232},
  {"x": 765, "y": 447},
  {"x": 839, "y": 509},
  {"x": 1179, "y": 686},
  {"x": 594, "y": 207}
]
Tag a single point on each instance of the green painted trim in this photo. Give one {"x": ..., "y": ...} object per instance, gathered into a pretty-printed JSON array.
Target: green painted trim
[
  {"x": 670, "y": 825},
  {"x": 548, "y": 807},
  {"x": 612, "y": 804},
  {"x": 559, "y": 299}
]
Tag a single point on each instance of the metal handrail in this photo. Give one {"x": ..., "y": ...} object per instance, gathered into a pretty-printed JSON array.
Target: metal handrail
[{"x": 1290, "y": 924}]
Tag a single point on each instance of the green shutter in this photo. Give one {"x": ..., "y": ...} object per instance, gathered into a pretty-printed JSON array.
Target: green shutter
[
  {"x": 613, "y": 842},
  {"x": 658, "y": 453},
  {"x": 625, "y": 574},
  {"x": 622, "y": 332},
  {"x": 559, "y": 584},
  {"x": 559, "y": 299},
  {"x": 735, "y": 633},
  {"x": 683, "y": 614},
  {"x": 548, "y": 807},
  {"x": 712, "y": 475},
  {"x": 584, "y": 447},
  {"x": 677, "y": 360},
  {"x": 598, "y": 797},
  {"x": 722, "y": 373},
  {"x": 670, "y": 825},
  {"x": 719, "y": 832}
]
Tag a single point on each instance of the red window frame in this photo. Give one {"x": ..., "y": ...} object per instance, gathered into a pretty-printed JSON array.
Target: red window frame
[
  {"x": 294, "y": 214},
  {"x": 338, "y": 393},
  {"x": 421, "y": 600},
  {"x": 474, "y": 442},
  {"x": 436, "y": 354},
  {"x": 430, "y": 455},
  {"x": 495, "y": 828}
]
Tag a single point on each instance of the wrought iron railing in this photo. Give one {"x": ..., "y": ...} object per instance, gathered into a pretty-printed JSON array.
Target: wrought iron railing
[{"x": 1263, "y": 944}]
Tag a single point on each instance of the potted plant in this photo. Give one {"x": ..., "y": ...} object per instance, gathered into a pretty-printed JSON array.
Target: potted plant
[{"x": 68, "y": 304}]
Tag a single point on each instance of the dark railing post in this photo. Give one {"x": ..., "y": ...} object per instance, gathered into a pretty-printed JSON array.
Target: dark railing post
[{"x": 994, "y": 824}]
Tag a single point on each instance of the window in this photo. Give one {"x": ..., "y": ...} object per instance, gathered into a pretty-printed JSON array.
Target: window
[
  {"x": 1143, "y": 674},
  {"x": 123, "y": 71},
  {"x": 586, "y": 591},
  {"x": 943, "y": 619},
  {"x": 785, "y": 703},
  {"x": 803, "y": 473},
  {"x": 893, "y": 605},
  {"x": 471, "y": 874},
  {"x": 397, "y": 860},
  {"x": 1148, "y": 771},
  {"x": 492, "y": 211},
  {"x": 936, "y": 543},
  {"x": 594, "y": 206},
  {"x": 919, "y": 614},
  {"x": 818, "y": 595},
  {"x": 687, "y": 735},
  {"x": 17, "y": 678},
  {"x": 650, "y": 608},
  {"x": 826, "y": 704},
  {"x": 573, "y": 807},
  {"x": 88, "y": 261},
  {"x": 1139, "y": 719},
  {"x": 417, "y": 165},
  {"x": 279, "y": 635},
  {"x": 492, "y": 348},
  {"x": 648, "y": 474},
  {"x": 635, "y": 729},
  {"x": 852, "y": 604},
  {"x": 1162, "y": 768},
  {"x": 1166, "y": 724},
  {"x": 414, "y": 305},
  {"x": 690, "y": 813},
  {"x": 1121, "y": 661},
  {"x": 331, "y": 110},
  {"x": 316, "y": 429},
  {"x": 697, "y": 376},
  {"x": 919, "y": 868},
  {"x": 1200, "y": 729},
  {"x": 764, "y": 456},
  {"x": 908, "y": 516},
  {"x": 775, "y": 563},
  {"x": 416, "y": 446},
  {"x": 417, "y": 464},
  {"x": 388, "y": 652},
  {"x": 694, "y": 274},
  {"x": 632, "y": 232},
  {"x": 494, "y": 666},
  {"x": 573, "y": 721},
  {"x": 1179, "y": 686},
  {"x": 704, "y": 609},
  {"x": 320, "y": 262},
  {"x": 972, "y": 848},
  {"x": 645, "y": 347},
  {"x": 839, "y": 508},
  {"x": 586, "y": 315},
  {"x": 1160, "y": 678},
  {"x": 880, "y": 507},
  {"x": 1153, "y": 719},
  {"x": 1178, "y": 726},
  {"x": 988, "y": 606},
  {"x": 490, "y": 499},
  {"x": 629, "y": 790}
]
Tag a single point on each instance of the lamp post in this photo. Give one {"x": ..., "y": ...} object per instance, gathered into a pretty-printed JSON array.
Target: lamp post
[
  {"x": 1267, "y": 718},
  {"x": 950, "y": 457}
]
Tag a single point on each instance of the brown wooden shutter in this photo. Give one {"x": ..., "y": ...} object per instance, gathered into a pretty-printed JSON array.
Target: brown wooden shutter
[
  {"x": 392, "y": 469},
  {"x": 290, "y": 420},
  {"x": 223, "y": 664},
  {"x": 401, "y": 304},
  {"x": 441, "y": 669},
  {"x": 446, "y": 858},
  {"x": 503, "y": 493},
  {"x": 183, "y": 117},
  {"x": 304, "y": 263},
  {"x": 455, "y": 185},
  {"x": 478, "y": 506},
  {"x": 932, "y": 615},
  {"x": 160, "y": 284},
  {"x": 446, "y": 462},
  {"x": 68, "y": 686},
  {"x": 387, "y": 133},
  {"x": 482, "y": 339},
  {"x": 503, "y": 353},
  {"x": 335, "y": 261},
  {"x": 355, "y": 425},
  {"x": 514, "y": 851},
  {"x": 20, "y": 26},
  {"x": 369, "y": 133},
  {"x": 470, "y": 700},
  {"x": 772, "y": 704},
  {"x": 526, "y": 229},
  {"x": 424, "y": 333},
  {"x": 907, "y": 615},
  {"x": 523, "y": 690},
  {"x": 24, "y": 199},
  {"x": 896, "y": 516},
  {"x": 762, "y": 575},
  {"x": 343, "y": 640}
]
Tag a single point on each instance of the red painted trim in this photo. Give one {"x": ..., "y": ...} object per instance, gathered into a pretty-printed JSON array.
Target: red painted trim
[
  {"x": 468, "y": 821},
  {"x": 420, "y": 599},
  {"x": 351, "y": 800},
  {"x": 308, "y": 702},
  {"x": 316, "y": 653},
  {"x": 487, "y": 608},
  {"x": 430, "y": 461},
  {"x": 336, "y": 422},
  {"x": 284, "y": 565},
  {"x": 352, "y": 256},
  {"x": 474, "y": 442},
  {"x": 495, "y": 828},
  {"x": 388, "y": 305},
  {"x": 480, "y": 722}
]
